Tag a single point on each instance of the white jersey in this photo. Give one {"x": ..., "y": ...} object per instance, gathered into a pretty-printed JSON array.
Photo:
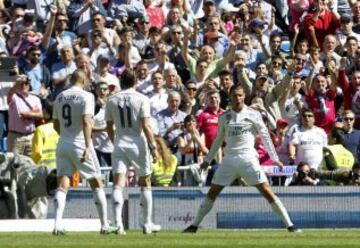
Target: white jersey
[
  {"x": 238, "y": 130},
  {"x": 309, "y": 145},
  {"x": 127, "y": 109},
  {"x": 69, "y": 108}
]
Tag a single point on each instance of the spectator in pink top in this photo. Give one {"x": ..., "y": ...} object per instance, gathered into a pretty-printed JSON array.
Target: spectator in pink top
[{"x": 24, "y": 110}]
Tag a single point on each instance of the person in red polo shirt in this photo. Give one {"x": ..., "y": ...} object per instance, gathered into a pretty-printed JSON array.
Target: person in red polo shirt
[{"x": 208, "y": 119}]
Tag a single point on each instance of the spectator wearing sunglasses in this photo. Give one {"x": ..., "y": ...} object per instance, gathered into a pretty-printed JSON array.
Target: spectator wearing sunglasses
[{"x": 351, "y": 135}]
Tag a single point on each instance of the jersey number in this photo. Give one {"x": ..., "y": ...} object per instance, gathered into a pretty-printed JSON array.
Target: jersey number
[
  {"x": 66, "y": 114},
  {"x": 125, "y": 111}
]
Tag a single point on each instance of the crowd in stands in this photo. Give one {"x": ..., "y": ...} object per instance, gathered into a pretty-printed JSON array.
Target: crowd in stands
[{"x": 297, "y": 60}]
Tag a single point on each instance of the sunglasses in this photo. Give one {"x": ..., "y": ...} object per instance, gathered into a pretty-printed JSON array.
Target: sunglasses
[
  {"x": 301, "y": 60},
  {"x": 176, "y": 32},
  {"x": 62, "y": 20},
  {"x": 96, "y": 19},
  {"x": 97, "y": 35},
  {"x": 194, "y": 89},
  {"x": 348, "y": 119},
  {"x": 36, "y": 54},
  {"x": 276, "y": 63},
  {"x": 308, "y": 116}
]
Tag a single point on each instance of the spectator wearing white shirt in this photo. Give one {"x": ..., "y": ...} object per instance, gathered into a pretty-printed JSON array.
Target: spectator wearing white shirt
[{"x": 307, "y": 141}]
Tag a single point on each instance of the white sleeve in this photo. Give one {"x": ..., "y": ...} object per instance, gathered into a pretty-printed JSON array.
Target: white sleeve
[
  {"x": 108, "y": 115},
  {"x": 89, "y": 107},
  {"x": 145, "y": 109},
  {"x": 264, "y": 133},
  {"x": 217, "y": 142}
]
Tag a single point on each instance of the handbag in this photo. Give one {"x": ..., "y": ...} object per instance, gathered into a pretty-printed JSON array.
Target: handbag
[{"x": 38, "y": 121}]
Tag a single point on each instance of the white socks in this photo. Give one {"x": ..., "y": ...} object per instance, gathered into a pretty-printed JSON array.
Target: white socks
[
  {"x": 101, "y": 206},
  {"x": 59, "y": 203},
  {"x": 146, "y": 202},
  {"x": 281, "y": 211},
  {"x": 204, "y": 209},
  {"x": 118, "y": 202}
]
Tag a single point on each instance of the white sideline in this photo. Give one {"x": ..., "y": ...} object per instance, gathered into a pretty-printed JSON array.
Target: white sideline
[{"x": 47, "y": 225}]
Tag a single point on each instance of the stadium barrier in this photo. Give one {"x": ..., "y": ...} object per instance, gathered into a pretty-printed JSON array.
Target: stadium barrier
[{"x": 236, "y": 207}]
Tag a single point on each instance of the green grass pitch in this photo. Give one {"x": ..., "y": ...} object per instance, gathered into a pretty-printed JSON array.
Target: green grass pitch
[{"x": 325, "y": 238}]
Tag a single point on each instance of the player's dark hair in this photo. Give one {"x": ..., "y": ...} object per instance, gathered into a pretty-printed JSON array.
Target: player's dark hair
[{"x": 127, "y": 79}]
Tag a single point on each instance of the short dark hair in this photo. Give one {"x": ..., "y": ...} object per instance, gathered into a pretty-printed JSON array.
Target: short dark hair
[
  {"x": 127, "y": 79},
  {"x": 33, "y": 48},
  {"x": 223, "y": 73},
  {"x": 306, "y": 110},
  {"x": 338, "y": 134},
  {"x": 236, "y": 87}
]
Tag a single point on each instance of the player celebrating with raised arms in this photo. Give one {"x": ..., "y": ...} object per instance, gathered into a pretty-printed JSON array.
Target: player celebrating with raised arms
[
  {"x": 72, "y": 114},
  {"x": 238, "y": 127},
  {"x": 133, "y": 141}
]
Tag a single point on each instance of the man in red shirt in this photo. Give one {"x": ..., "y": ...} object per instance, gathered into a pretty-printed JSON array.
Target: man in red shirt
[
  {"x": 208, "y": 119},
  {"x": 321, "y": 22}
]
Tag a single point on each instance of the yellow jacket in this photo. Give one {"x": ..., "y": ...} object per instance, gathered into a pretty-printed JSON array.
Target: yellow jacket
[
  {"x": 44, "y": 145},
  {"x": 160, "y": 176}
]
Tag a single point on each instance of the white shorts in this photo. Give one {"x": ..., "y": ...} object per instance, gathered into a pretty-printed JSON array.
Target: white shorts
[
  {"x": 68, "y": 160},
  {"x": 234, "y": 167},
  {"x": 136, "y": 155}
]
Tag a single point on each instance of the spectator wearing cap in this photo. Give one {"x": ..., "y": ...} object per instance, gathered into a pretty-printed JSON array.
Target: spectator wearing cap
[
  {"x": 102, "y": 73},
  {"x": 320, "y": 23},
  {"x": 212, "y": 36},
  {"x": 141, "y": 38},
  {"x": 98, "y": 22},
  {"x": 270, "y": 95},
  {"x": 345, "y": 31},
  {"x": 130, "y": 8},
  {"x": 291, "y": 101},
  {"x": 62, "y": 70},
  {"x": 99, "y": 46},
  {"x": 24, "y": 109},
  {"x": 207, "y": 54},
  {"x": 80, "y": 13},
  {"x": 155, "y": 14},
  {"x": 209, "y": 9}
]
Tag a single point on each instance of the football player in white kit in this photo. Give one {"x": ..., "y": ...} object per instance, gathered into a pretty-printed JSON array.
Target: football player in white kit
[
  {"x": 133, "y": 141},
  {"x": 72, "y": 114},
  {"x": 238, "y": 127}
]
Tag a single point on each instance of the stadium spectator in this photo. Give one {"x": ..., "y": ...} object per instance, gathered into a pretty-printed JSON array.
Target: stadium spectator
[
  {"x": 192, "y": 149},
  {"x": 307, "y": 141},
  {"x": 102, "y": 144},
  {"x": 45, "y": 139},
  {"x": 351, "y": 135},
  {"x": 164, "y": 168},
  {"x": 24, "y": 110},
  {"x": 336, "y": 156},
  {"x": 171, "y": 120}
]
